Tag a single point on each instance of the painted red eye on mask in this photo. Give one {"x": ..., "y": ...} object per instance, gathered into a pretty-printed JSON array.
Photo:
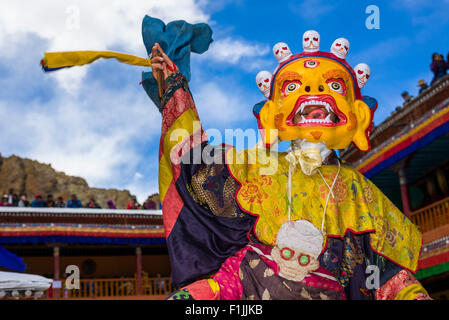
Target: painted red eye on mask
[
  {"x": 266, "y": 80},
  {"x": 284, "y": 48},
  {"x": 346, "y": 48},
  {"x": 289, "y": 87},
  {"x": 306, "y": 39},
  {"x": 337, "y": 85},
  {"x": 367, "y": 76},
  {"x": 315, "y": 39},
  {"x": 277, "y": 51},
  {"x": 338, "y": 44},
  {"x": 260, "y": 84},
  {"x": 359, "y": 71}
]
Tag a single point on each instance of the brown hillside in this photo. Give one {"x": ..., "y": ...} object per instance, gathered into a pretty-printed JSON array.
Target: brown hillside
[{"x": 31, "y": 177}]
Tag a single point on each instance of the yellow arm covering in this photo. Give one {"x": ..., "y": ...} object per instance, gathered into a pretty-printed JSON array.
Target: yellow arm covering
[
  {"x": 55, "y": 60},
  {"x": 402, "y": 286},
  {"x": 411, "y": 292}
]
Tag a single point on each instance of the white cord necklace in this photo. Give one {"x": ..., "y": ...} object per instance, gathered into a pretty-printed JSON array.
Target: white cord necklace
[
  {"x": 291, "y": 168},
  {"x": 328, "y": 195}
]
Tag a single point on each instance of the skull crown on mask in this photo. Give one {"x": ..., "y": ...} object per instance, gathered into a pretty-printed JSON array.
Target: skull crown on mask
[{"x": 315, "y": 96}]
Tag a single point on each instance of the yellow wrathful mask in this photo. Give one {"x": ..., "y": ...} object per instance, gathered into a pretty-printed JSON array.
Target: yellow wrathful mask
[{"x": 315, "y": 96}]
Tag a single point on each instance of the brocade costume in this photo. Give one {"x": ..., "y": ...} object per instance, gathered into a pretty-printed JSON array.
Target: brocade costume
[
  {"x": 224, "y": 211},
  {"x": 221, "y": 221}
]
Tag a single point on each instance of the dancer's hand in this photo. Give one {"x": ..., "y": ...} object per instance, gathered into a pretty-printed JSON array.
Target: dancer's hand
[{"x": 160, "y": 62}]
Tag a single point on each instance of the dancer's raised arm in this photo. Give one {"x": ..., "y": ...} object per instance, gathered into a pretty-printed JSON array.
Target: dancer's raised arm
[{"x": 203, "y": 225}]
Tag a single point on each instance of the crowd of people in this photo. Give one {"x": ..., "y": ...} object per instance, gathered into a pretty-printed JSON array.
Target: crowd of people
[
  {"x": 439, "y": 68},
  {"x": 12, "y": 199}
]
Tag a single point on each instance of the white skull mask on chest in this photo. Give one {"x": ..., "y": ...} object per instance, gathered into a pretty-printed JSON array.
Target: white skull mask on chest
[
  {"x": 340, "y": 48},
  {"x": 281, "y": 52},
  {"x": 263, "y": 81},
  {"x": 298, "y": 245},
  {"x": 311, "y": 41},
  {"x": 362, "y": 72}
]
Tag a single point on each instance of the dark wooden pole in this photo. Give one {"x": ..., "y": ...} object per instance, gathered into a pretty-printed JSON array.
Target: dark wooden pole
[
  {"x": 139, "y": 270},
  {"x": 56, "y": 264},
  {"x": 405, "y": 196}
]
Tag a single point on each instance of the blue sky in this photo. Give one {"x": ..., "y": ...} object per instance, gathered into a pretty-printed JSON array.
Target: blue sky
[{"x": 97, "y": 122}]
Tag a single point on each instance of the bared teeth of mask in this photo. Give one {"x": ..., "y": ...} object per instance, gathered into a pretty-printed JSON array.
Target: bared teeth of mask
[{"x": 328, "y": 119}]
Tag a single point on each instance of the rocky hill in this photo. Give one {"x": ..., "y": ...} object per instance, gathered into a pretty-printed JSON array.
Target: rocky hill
[{"x": 31, "y": 177}]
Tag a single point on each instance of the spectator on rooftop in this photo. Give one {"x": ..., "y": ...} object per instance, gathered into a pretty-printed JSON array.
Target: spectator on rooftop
[
  {"x": 438, "y": 66},
  {"x": 92, "y": 204},
  {"x": 38, "y": 202},
  {"x": 10, "y": 197},
  {"x": 60, "y": 202},
  {"x": 149, "y": 204},
  {"x": 133, "y": 204},
  {"x": 23, "y": 202},
  {"x": 4, "y": 202},
  {"x": 422, "y": 84},
  {"x": 406, "y": 96},
  {"x": 74, "y": 202},
  {"x": 50, "y": 202},
  {"x": 15, "y": 200},
  {"x": 111, "y": 204},
  {"x": 156, "y": 199}
]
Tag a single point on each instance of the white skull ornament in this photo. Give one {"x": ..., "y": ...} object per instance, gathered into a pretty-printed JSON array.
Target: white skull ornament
[
  {"x": 362, "y": 72},
  {"x": 298, "y": 245},
  {"x": 263, "y": 81},
  {"x": 281, "y": 52},
  {"x": 340, "y": 48},
  {"x": 311, "y": 41}
]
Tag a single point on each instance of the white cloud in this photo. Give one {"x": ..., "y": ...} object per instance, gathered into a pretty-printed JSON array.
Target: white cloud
[
  {"x": 222, "y": 105},
  {"x": 91, "y": 129},
  {"x": 138, "y": 176},
  {"x": 93, "y": 136},
  {"x": 142, "y": 189},
  {"x": 98, "y": 24},
  {"x": 107, "y": 135},
  {"x": 88, "y": 25},
  {"x": 233, "y": 51}
]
